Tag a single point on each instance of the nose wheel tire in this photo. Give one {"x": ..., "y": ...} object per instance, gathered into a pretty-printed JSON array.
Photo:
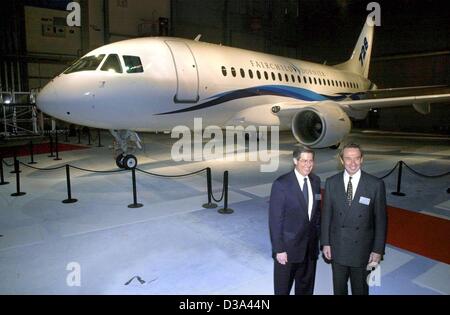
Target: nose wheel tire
[
  {"x": 127, "y": 162},
  {"x": 119, "y": 161},
  {"x": 130, "y": 162}
]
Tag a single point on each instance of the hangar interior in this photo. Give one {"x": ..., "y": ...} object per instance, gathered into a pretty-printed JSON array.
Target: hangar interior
[{"x": 172, "y": 243}]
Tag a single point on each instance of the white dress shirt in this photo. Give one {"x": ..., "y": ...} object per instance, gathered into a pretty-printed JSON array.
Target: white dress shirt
[
  {"x": 301, "y": 180},
  {"x": 355, "y": 181}
]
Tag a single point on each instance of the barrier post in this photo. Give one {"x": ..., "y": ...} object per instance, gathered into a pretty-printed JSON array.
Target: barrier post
[
  {"x": 225, "y": 209},
  {"x": 79, "y": 135},
  {"x": 2, "y": 179},
  {"x": 17, "y": 170},
  {"x": 14, "y": 163},
  {"x": 399, "y": 181},
  {"x": 57, "y": 158},
  {"x": 51, "y": 146},
  {"x": 99, "y": 138},
  {"x": 69, "y": 189},
  {"x": 31, "y": 154},
  {"x": 209, "y": 205},
  {"x": 135, "y": 203},
  {"x": 89, "y": 136}
]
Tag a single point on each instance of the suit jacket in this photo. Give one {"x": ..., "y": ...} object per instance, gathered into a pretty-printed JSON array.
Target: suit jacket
[
  {"x": 291, "y": 230},
  {"x": 354, "y": 232}
]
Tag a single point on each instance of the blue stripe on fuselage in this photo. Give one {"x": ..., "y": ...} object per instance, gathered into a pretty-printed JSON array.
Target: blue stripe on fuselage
[{"x": 276, "y": 90}]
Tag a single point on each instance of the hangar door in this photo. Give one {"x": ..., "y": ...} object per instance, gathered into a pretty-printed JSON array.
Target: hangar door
[{"x": 187, "y": 74}]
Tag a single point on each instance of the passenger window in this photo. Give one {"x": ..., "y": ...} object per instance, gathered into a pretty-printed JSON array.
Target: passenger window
[
  {"x": 258, "y": 74},
  {"x": 286, "y": 77},
  {"x": 273, "y": 76},
  {"x": 233, "y": 72},
  {"x": 242, "y": 73},
  {"x": 250, "y": 73},
  {"x": 224, "y": 71},
  {"x": 133, "y": 64},
  {"x": 280, "y": 77},
  {"x": 112, "y": 64},
  {"x": 266, "y": 75}
]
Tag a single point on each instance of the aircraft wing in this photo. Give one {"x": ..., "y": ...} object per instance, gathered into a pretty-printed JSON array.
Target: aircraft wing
[{"x": 420, "y": 103}]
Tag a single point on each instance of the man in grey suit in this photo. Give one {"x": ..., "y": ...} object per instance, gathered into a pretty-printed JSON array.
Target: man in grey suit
[{"x": 354, "y": 223}]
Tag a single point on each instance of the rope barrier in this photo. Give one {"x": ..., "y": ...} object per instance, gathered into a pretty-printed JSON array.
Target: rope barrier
[
  {"x": 94, "y": 171},
  {"x": 423, "y": 175},
  {"x": 392, "y": 171},
  {"x": 6, "y": 163},
  {"x": 211, "y": 197},
  {"x": 43, "y": 169},
  {"x": 223, "y": 194},
  {"x": 171, "y": 176}
]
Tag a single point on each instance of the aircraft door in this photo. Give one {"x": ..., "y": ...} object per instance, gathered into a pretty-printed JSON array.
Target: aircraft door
[{"x": 187, "y": 74}]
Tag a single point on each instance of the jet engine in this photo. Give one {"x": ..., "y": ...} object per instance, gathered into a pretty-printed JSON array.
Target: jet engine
[{"x": 321, "y": 126}]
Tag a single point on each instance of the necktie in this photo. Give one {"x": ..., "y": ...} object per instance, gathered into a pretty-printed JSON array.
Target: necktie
[
  {"x": 305, "y": 193},
  {"x": 349, "y": 192}
]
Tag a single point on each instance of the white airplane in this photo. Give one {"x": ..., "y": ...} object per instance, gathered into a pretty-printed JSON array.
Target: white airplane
[{"x": 157, "y": 83}]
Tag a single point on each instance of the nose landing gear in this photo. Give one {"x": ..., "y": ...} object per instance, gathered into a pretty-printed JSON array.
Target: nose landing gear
[
  {"x": 127, "y": 141},
  {"x": 127, "y": 162}
]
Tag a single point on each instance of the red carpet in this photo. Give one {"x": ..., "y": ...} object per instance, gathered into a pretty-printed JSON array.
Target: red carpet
[
  {"x": 41, "y": 148},
  {"x": 419, "y": 233}
]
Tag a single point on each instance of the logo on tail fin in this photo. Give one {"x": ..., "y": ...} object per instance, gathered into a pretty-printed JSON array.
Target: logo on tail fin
[{"x": 362, "y": 54}]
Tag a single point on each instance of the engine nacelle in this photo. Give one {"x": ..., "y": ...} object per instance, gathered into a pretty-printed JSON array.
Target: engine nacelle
[{"x": 321, "y": 126}]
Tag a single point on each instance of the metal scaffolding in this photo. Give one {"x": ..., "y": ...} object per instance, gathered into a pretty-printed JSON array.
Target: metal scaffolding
[{"x": 19, "y": 116}]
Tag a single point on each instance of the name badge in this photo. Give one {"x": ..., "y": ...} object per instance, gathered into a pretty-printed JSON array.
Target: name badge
[
  {"x": 364, "y": 201},
  {"x": 318, "y": 197}
]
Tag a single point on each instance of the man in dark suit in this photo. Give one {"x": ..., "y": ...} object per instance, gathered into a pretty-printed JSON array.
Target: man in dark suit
[
  {"x": 294, "y": 223},
  {"x": 353, "y": 223}
]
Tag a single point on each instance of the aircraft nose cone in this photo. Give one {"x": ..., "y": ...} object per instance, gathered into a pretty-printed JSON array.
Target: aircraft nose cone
[{"x": 47, "y": 99}]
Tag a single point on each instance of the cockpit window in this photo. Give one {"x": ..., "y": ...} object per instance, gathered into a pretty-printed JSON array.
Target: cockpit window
[
  {"x": 112, "y": 64},
  {"x": 89, "y": 63},
  {"x": 133, "y": 64}
]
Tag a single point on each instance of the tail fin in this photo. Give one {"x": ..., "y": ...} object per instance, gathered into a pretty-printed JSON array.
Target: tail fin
[{"x": 359, "y": 62}]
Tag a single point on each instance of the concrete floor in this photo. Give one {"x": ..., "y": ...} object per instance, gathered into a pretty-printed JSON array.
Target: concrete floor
[{"x": 175, "y": 245}]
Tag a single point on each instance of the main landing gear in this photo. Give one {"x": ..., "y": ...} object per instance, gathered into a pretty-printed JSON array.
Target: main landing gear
[{"x": 127, "y": 142}]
